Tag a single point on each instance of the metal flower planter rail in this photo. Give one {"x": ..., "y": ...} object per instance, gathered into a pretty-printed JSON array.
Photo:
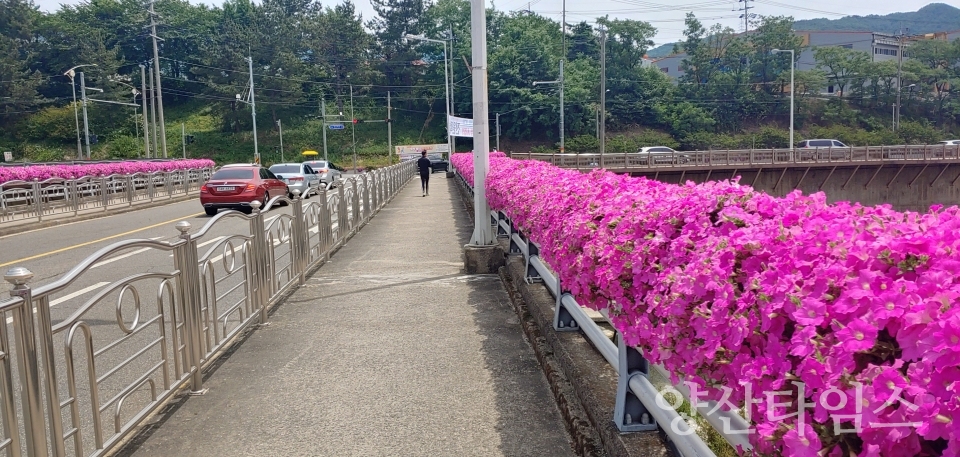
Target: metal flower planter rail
[
  {"x": 637, "y": 407},
  {"x": 33, "y": 200},
  {"x": 79, "y": 383}
]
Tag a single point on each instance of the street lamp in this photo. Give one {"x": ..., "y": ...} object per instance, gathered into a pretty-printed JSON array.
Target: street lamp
[
  {"x": 792, "y": 66},
  {"x": 446, "y": 84},
  {"x": 560, "y": 82},
  {"x": 76, "y": 116}
]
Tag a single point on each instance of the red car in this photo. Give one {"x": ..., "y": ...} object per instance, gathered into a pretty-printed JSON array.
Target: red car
[{"x": 235, "y": 186}]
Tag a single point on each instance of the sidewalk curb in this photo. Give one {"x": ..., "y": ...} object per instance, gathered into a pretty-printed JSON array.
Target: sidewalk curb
[{"x": 4, "y": 231}]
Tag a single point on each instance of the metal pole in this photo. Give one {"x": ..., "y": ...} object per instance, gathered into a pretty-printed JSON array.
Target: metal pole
[
  {"x": 253, "y": 112},
  {"x": 896, "y": 115},
  {"x": 323, "y": 114},
  {"x": 86, "y": 125},
  {"x": 446, "y": 88},
  {"x": 280, "y": 127},
  {"x": 153, "y": 116},
  {"x": 136, "y": 120},
  {"x": 156, "y": 67},
  {"x": 793, "y": 64},
  {"x": 390, "y": 130},
  {"x": 183, "y": 139},
  {"x": 143, "y": 98},
  {"x": 498, "y": 131},
  {"x": 482, "y": 232},
  {"x": 76, "y": 116},
  {"x": 353, "y": 130},
  {"x": 561, "y": 106},
  {"x": 602, "y": 121}
]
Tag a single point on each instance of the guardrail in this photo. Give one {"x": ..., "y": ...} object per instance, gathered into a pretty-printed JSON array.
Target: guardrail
[
  {"x": 80, "y": 383},
  {"x": 21, "y": 200},
  {"x": 751, "y": 157},
  {"x": 640, "y": 406}
]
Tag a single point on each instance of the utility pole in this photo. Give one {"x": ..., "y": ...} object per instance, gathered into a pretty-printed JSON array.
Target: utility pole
[
  {"x": 156, "y": 67},
  {"x": 390, "y": 130},
  {"x": 183, "y": 139},
  {"x": 482, "y": 232},
  {"x": 353, "y": 130},
  {"x": 86, "y": 126},
  {"x": 253, "y": 112},
  {"x": 280, "y": 127},
  {"x": 896, "y": 115},
  {"x": 143, "y": 98},
  {"x": 560, "y": 82},
  {"x": 563, "y": 32},
  {"x": 323, "y": 114},
  {"x": 153, "y": 115},
  {"x": 746, "y": 14},
  {"x": 602, "y": 123}
]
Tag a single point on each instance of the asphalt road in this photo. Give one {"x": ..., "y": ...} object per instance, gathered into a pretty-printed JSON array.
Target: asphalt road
[{"x": 129, "y": 338}]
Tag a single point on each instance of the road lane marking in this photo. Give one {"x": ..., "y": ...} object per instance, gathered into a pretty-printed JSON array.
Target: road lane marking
[
  {"x": 209, "y": 242},
  {"x": 120, "y": 257},
  {"x": 94, "y": 219},
  {"x": 80, "y": 245},
  {"x": 69, "y": 297}
]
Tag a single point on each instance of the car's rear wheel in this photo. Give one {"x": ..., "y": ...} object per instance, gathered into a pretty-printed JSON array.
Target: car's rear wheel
[
  {"x": 210, "y": 211},
  {"x": 266, "y": 198}
]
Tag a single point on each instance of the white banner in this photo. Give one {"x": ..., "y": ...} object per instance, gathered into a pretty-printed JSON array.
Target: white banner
[
  {"x": 413, "y": 151},
  {"x": 458, "y": 126}
]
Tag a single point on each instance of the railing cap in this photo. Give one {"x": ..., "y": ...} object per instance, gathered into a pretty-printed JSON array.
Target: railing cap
[
  {"x": 255, "y": 204},
  {"x": 183, "y": 227},
  {"x": 18, "y": 276}
]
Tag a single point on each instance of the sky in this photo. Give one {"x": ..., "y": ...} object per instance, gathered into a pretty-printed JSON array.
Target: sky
[{"x": 668, "y": 17}]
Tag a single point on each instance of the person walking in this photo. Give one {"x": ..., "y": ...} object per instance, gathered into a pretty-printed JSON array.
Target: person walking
[{"x": 424, "y": 165}]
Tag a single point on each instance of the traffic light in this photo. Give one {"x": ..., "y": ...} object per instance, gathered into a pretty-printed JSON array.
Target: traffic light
[
  {"x": 358, "y": 121},
  {"x": 189, "y": 139}
]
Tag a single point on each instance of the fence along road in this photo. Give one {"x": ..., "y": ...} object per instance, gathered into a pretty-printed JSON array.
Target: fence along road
[{"x": 107, "y": 345}]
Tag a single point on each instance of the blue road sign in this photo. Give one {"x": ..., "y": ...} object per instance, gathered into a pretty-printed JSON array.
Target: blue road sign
[{"x": 336, "y": 126}]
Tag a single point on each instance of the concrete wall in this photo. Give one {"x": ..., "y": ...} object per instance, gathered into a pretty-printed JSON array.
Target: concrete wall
[{"x": 890, "y": 185}]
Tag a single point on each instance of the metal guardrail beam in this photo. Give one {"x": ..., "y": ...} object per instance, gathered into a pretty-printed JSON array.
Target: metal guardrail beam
[
  {"x": 752, "y": 158},
  {"x": 205, "y": 297}
]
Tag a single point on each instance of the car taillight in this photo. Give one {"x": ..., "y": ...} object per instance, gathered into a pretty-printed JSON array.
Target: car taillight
[
  {"x": 324, "y": 170},
  {"x": 250, "y": 187},
  {"x": 204, "y": 189},
  {"x": 295, "y": 179}
]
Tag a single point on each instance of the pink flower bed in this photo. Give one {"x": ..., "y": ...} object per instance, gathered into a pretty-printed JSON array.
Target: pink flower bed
[
  {"x": 463, "y": 162},
  {"x": 845, "y": 313},
  {"x": 43, "y": 172}
]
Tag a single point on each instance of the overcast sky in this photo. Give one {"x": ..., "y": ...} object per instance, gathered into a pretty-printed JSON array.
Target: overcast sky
[{"x": 668, "y": 17}]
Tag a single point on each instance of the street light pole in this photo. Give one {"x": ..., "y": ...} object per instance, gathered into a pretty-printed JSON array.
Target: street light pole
[
  {"x": 792, "y": 91},
  {"x": 253, "y": 112},
  {"x": 86, "y": 125},
  {"x": 447, "y": 80},
  {"x": 143, "y": 98},
  {"x": 602, "y": 122},
  {"x": 482, "y": 231},
  {"x": 76, "y": 115},
  {"x": 353, "y": 130}
]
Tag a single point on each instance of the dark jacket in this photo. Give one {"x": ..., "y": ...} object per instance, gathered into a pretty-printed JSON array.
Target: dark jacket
[{"x": 423, "y": 164}]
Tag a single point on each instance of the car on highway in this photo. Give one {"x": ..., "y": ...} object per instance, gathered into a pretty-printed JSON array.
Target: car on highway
[
  {"x": 327, "y": 171},
  {"x": 298, "y": 177},
  {"x": 950, "y": 143},
  {"x": 658, "y": 155},
  {"x": 235, "y": 186},
  {"x": 437, "y": 163},
  {"x": 823, "y": 149}
]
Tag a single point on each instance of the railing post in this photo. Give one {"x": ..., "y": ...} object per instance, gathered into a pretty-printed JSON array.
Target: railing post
[
  {"x": 367, "y": 187},
  {"x": 75, "y": 192},
  {"x": 300, "y": 244},
  {"x": 38, "y": 204},
  {"x": 355, "y": 202},
  {"x": 24, "y": 330},
  {"x": 259, "y": 258},
  {"x": 342, "y": 222},
  {"x": 104, "y": 192},
  {"x": 185, "y": 257},
  {"x": 563, "y": 321},
  {"x": 629, "y": 413},
  {"x": 532, "y": 251},
  {"x": 151, "y": 187},
  {"x": 168, "y": 183},
  {"x": 326, "y": 225},
  {"x": 129, "y": 179}
]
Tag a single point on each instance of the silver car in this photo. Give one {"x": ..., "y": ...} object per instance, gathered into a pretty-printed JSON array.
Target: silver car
[
  {"x": 658, "y": 155},
  {"x": 298, "y": 176},
  {"x": 327, "y": 171}
]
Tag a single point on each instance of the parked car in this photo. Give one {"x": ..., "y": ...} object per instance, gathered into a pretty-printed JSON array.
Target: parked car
[
  {"x": 950, "y": 143},
  {"x": 437, "y": 163},
  {"x": 823, "y": 149},
  {"x": 298, "y": 176},
  {"x": 657, "y": 155},
  {"x": 235, "y": 186},
  {"x": 327, "y": 171}
]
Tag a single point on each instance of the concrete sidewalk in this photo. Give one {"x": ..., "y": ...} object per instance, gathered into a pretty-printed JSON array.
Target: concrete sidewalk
[{"x": 389, "y": 349}]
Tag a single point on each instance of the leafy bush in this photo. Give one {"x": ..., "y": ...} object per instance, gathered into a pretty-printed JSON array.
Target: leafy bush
[
  {"x": 583, "y": 143},
  {"x": 912, "y": 132},
  {"x": 55, "y": 123}
]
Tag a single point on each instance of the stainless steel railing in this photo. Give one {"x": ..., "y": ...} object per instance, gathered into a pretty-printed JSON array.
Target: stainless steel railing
[
  {"x": 79, "y": 381},
  {"x": 21, "y": 200},
  {"x": 653, "y": 414},
  {"x": 751, "y": 157}
]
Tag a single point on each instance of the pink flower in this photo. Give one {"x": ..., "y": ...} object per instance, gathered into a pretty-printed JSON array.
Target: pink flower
[{"x": 857, "y": 336}]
